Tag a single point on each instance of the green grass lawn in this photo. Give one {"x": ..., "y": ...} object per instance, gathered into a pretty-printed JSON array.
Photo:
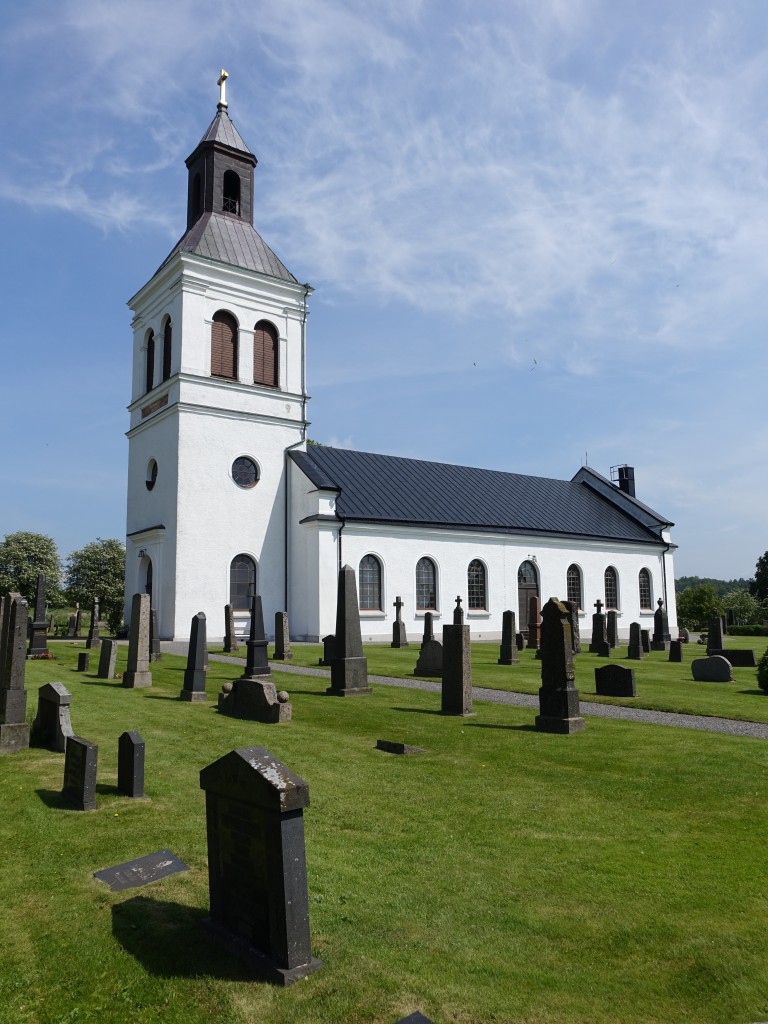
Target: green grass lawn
[{"x": 503, "y": 876}]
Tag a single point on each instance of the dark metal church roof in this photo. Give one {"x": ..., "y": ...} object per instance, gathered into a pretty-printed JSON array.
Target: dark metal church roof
[
  {"x": 231, "y": 240},
  {"x": 222, "y": 130},
  {"x": 389, "y": 489}
]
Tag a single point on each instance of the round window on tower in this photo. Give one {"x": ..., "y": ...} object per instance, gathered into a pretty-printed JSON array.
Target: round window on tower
[
  {"x": 151, "y": 474},
  {"x": 245, "y": 472}
]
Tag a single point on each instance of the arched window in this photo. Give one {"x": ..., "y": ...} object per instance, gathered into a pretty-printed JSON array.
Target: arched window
[
  {"x": 231, "y": 199},
  {"x": 148, "y": 579},
  {"x": 242, "y": 582},
  {"x": 224, "y": 345},
  {"x": 476, "y": 591},
  {"x": 527, "y": 587},
  {"x": 646, "y": 594},
  {"x": 150, "y": 366},
  {"x": 197, "y": 197},
  {"x": 370, "y": 583},
  {"x": 167, "y": 348},
  {"x": 265, "y": 354},
  {"x": 611, "y": 588},
  {"x": 573, "y": 585},
  {"x": 426, "y": 585}
]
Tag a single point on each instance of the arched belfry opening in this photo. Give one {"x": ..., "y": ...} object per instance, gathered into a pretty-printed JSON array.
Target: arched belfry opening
[{"x": 230, "y": 202}]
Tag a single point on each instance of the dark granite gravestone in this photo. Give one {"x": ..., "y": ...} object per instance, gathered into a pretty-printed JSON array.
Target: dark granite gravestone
[
  {"x": 573, "y": 622},
  {"x": 739, "y": 657},
  {"x": 429, "y": 627},
  {"x": 71, "y": 627},
  {"x": 14, "y": 731},
  {"x": 684, "y": 635},
  {"x": 675, "y": 650},
  {"x": 661, "y": 636},
  {"x": 253, "y": 696},
  {"x": 38, "y": 642},
  {"x": 598, "y": 629},
  {"x": 457, "y": 672},
  {"x": 78, "y": 620},
  {"x": 329, "y": 646},
  {"x": 635, "y": 649},
  {"x": 520, "y": 641},
  {"x": 154, "y": 637},
  {"x": 612, "y": 628},
  {"x": 430, "y": 661},
  {"x": 349, "y": 669},
  {"x": 83, "y": 661},
  {"x": 194, "y": 674},
  {"x": 256, "y": 863},
  {"x": 712, "y": 669},
  {"x": 142, "y": 871},
  {"x": 393, "y": 747},
  {"x": 80, "y": 759},
  {"x": 231, "y": 645},
  {"x": 534, "y": 621},
  {"x": 508, "y": 649},
  {"x": 458, "y": 613},
  {"x": 414, "y": 1018},
  {"x": 603, "y": 650},
  {"x": 130, "y": 765},
  {"x": 94, "y": 640},
  {"x": 52, "y": 726},
  {"x": 645, "y": 641},
  {"x": 107, "y": 659},
  {"x": 399, "y": 635},
  {"x": 558, "y": 698},
  {"x": 715, "y": 635},
  {"x": 138, "y": 674},
  {"x": 282, "y": 638},
  {"x": 615, "y": 681}
]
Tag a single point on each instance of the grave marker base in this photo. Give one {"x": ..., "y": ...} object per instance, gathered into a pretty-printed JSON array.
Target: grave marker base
[
  {"x": 137, "y": 680},
  {"x": 262, "y": 966},
  {"x": 193, "y": 695},
  {"x": 14, "y": 738},
  {"x": 563, "y": 726}
]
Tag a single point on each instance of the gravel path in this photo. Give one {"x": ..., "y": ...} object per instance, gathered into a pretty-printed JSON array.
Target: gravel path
[{"x": 527, "y": 700}]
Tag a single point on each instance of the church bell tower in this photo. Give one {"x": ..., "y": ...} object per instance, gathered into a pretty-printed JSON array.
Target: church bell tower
[{"x": 218, "y": 397}]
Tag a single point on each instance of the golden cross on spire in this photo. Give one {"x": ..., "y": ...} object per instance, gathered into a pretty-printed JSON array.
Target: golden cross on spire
[{"x": 222, "y": 84}]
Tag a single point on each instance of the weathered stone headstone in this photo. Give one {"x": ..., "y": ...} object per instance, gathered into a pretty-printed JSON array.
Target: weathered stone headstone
[
  {"x": 71, "y": 627},
  {"x": 194, "y": 674},
  {"x": 94, "y": 640},
  {"x": 107, "y": 659},
  {"x": 138, "y": 674},
  {"x": 684, "y": 635},
  {"x": 520, "y": 641},
  {"x": 458, "y": 613},
  {"x": 573, "y": 621},
  {"x": 603, "y": 650},
  {"x": 253, "y": 696},
  {"x": 349, "y": 669},
  {"x": 52, "y": 726},
  {"x": 78, "y": 620},
  {"x": 430, "y": 661},
  {"x": 282, "y": 637},
  {"x": 80, "y": 760},
  {"x": 399, "y": 635},
  {"x": 612, "y": 628},
  {"x": 130, "y": 765},
  {"x": 661, "y": 636},
  {"x": 231, "y": 644},
  {"x": 38, "y": 643},
  {"x": 14, "y": 731},
  {"x": 714, "y": 669},
  {"x": 256, "y": 863},
  {"x": 457, "y": 672},
  {"x": 635, "y": 649},
  {"x": 615, "y": 681},
  {"x": 329, "y": 648},
  {"x": 534, "y": 621},
  {"x": 598, "y": 629},
  {"x": 558, "y": 698},
  {"x": 675, "y": 650},
  {"x": 154, "y": 637},
  {"x": 715, "y": 636},
  {"x": 645, "y": 640},
  {"x": 508, "y": 649},
  {"x": 429, "y": 627},
  {"x": 83, "y": 661}
]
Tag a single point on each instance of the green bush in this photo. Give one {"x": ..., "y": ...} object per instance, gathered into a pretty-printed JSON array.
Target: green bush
[
  {"x": 762, "y": 671},
  {"x": 753, "y": 630}
]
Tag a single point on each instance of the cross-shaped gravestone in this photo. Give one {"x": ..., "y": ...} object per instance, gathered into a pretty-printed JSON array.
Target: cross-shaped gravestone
[
  {"x": 458, "y": 613},
  {"x": 398, "y": 606},
  {"x": 399, "y": 635},
  {"x": 599, "y": 606}
]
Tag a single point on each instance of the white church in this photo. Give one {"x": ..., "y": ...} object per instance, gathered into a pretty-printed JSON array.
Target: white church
[{"x": 227, "y": 496}]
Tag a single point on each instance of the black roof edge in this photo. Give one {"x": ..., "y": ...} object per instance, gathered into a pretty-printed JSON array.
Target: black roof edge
[
  {"x": 146, "y": 529},
  {"x": 313, "y": 473},
  {"x": 629, "y": 504}
]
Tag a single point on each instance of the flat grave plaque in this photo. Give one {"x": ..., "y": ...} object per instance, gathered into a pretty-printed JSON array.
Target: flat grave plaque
[
  {"x": 415, "y": 1018},
  {"x": 393, "y": 747},
  {"x": 142, "y": 871}
]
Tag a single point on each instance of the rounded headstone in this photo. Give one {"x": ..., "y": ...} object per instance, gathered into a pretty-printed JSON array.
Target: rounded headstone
[{"x": 715, "y": 669}]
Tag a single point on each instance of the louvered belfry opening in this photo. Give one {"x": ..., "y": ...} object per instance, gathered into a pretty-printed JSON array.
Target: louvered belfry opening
[
  {"x": 224, "y": 346},
  {"x": 265, "y": 354},
  {"x": 167, "y": 347}
]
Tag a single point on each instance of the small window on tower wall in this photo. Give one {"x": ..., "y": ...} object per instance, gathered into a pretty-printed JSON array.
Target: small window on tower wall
[
  {"x": 265, "y": 354},
  {"x": 245, "y": 472},
  {"x": 150, "y": 365},
  {"x": 231, "y": 200},
  {"x": 167, "y": 349},
  {"x": 224, "y": 345}
]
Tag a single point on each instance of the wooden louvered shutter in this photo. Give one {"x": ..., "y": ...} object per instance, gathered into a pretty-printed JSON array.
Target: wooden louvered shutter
[
  {"x": 265, "y": 354},
  {"x": 223, "y": 346}
]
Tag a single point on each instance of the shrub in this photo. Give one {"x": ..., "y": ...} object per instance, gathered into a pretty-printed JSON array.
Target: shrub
[
  {"x": 762, "y": 671},
  {"x": 753, "y": 630}
]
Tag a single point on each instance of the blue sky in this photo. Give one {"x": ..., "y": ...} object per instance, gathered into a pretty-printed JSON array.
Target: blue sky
[{"x": 536, "y": 233}]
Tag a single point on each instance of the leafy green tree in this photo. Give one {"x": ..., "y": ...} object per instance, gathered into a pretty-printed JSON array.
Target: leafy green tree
[
  {"x": 746, "y": 609},
  {"x": 22, "y": 556},
  {"x": 98, "y": 570},
  {"x": 758, "y": 586},
  {"x": 695, "y": 605}
]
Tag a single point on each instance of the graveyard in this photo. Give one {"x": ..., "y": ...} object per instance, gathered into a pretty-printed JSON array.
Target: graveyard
[{"x": 502, "y": 874}]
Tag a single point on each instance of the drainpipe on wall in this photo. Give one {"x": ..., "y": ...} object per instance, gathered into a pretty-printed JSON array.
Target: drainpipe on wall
[{"x": 343, "y": 524}]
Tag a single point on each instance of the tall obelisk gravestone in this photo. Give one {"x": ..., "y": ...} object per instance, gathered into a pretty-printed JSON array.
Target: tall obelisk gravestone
[
  {"x": 14, "y": 731},
  {"x": 349, "y": 668},
  {"x": 558, "y": 698},
  {"x": 137, "y": 673},
  {"x": 38, "y": 643}
]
